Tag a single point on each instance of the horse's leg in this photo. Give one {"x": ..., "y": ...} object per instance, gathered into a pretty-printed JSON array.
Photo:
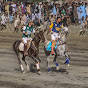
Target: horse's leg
[
  {"x": 23, "y": 58},
  {"x": 17, "y": 29},
  {"x": 19, "y": 59},
  {"x": 37, "y": 64},
  {"x": 67, "y": 59},
  {"x": 57, "y": 65},
  {"x": 14, "y": 29},
  {"x": 48, "y": 64},
  {"x": 47, "y": 54},
  {"x": 38, "y": 58}
]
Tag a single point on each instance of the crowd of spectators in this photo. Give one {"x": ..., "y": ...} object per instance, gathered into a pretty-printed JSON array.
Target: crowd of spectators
[{"x": 21, "y": 13}]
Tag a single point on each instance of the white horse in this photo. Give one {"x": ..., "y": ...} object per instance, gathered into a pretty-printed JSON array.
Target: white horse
[{"x": 60, "y": 50}]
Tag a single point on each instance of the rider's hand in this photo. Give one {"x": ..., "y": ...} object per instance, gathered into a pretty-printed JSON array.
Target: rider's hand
[
  {"x": 34, "y": 33},
  {"x": 25, "y": 33},
  {"x": 51, "y": 32}
]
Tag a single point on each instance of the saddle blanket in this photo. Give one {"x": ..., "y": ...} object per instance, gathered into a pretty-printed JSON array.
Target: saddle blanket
[
  {"x": 21, "y": 46},
  {"x": 49, "y": 44}
]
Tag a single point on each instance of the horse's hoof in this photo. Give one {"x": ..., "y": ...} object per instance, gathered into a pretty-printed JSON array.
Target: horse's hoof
[
  {"x": 23, "y": 72},
  {"x": 57, "y": 68},
  {"x": 39, "y": 73},
  {"x": 28, "y": 69},
  {"x": 68, "y": 65},
  {"x": 49, "y": 70}
]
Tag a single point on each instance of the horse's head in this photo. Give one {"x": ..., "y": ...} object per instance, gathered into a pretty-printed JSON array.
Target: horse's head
[
  {"x": 65, "y": 29},
  {"x": 40, "y": 36},
  {"x": 63, "y": 33}
]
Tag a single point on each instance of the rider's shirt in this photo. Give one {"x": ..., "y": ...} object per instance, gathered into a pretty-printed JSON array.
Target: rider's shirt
[
  {"x": 56, "y": 27},
  {"x": 28, "y": 31}
]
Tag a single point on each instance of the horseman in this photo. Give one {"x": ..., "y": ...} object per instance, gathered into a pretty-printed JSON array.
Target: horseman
[
  {"x": 54, "y": 29},
  {"x": 27, "y": 30}
]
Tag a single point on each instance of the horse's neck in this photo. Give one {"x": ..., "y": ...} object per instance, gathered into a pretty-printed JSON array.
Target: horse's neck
[
  {"x": 36, "y": 42},
  {"x": 63, "y": 38}
]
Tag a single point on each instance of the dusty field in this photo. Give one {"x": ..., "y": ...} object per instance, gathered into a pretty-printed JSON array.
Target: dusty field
[{"x": 75, "y": 76}]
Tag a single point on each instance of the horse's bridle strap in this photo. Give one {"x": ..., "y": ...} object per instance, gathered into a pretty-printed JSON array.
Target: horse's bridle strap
[
  {"x": 63, "y": 43},
  {"x": 34, "y": 45},
  {"x": 63, "y": 36}
]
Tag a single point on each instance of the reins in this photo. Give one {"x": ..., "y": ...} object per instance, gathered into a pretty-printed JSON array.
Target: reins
[
  {"x": 34, "y": 45},
  {"x": 33, "y": 42},
  {"x": 62, "y": 41}
]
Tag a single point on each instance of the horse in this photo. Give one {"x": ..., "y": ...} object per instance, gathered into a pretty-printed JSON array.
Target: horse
[
  {"x": 60, "y": 50},
  {"x": 84, "y": 28},
  {"x": 33, "y": 51}
]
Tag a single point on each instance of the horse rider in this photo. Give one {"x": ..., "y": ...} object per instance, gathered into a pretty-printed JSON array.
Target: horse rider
[
  {"x": 54, "y": 29},
  {"x": 27, "y": 30}
]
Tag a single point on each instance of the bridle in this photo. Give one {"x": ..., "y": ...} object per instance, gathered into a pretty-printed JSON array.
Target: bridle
[
  {"x": 60, "y": 41},
  {"x": 39, "y": 37}
]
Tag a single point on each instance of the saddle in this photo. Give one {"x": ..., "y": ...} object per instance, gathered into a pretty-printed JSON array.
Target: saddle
[
  {"x": 49, "y": 44},
  {"x": 21, "y": 46}
]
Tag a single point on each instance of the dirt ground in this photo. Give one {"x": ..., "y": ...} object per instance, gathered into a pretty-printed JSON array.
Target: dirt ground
[{"x": 75, "y": 76}]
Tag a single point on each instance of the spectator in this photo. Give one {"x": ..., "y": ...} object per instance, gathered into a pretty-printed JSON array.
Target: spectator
[
  {"x": 79, "y": 13},
  {"x": 10, "y": 9},
  {"x": 82, "y": 10},
  {"x": 75, "y": 13},
  {"x": 42, "y": 12},
  {"x": 86, "y": 8}
]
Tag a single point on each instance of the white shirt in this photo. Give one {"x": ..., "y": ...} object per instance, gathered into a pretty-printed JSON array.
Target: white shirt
[
  {"x": 33, "y": 17},
  {"x": 86, "y": 10},
  {"x": 14, "y": 7},
  {"x": 24, "y": 28}
]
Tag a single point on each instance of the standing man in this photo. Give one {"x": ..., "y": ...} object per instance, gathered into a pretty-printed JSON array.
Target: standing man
[
  {"x": 86, "y": 8},
  {"x": 10, "y": 9},
  {"x": 79, "y": 13},
  {"x": 0, "y": 7},
  {"x": 7, "y": 8},
  {"x": 75, "y": 13},
  {"x": 82, "y": 10}
]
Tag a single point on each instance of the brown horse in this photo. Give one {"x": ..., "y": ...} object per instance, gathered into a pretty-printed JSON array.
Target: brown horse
[{"x": 33, "y": 51}]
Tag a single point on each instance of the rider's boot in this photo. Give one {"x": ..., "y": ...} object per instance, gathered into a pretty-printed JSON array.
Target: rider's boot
[
  {"x": 25, "y": 50},
  {"x": 52, "y": 48}
]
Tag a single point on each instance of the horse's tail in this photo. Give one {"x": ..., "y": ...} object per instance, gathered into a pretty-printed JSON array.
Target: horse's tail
[{"x": 16, "y": 46}]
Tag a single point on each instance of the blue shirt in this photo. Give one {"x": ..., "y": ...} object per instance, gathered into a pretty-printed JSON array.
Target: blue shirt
[
  {"x": 56, "y": 27},
  {"x": 82, "y": 8}
]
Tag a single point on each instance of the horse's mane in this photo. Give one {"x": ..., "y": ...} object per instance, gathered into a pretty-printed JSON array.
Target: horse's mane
[{"x": 36, "y": 35}]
